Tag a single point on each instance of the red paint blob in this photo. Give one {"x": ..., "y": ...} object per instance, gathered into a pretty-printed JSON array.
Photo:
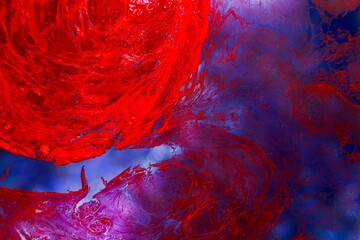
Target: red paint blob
[{"x": 78, "y": 76}]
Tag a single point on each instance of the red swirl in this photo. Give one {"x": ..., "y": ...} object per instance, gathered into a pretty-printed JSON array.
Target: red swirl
[{"x": 78, "y": 76}]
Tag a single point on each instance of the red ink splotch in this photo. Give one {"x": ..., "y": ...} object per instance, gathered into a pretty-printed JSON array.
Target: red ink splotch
[
  {"x": 78, "y": 76},
  {"x": 6, "y": 174}
]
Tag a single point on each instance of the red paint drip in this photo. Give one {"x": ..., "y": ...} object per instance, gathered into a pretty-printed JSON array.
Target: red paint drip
[{"x": 6, "y": 174}]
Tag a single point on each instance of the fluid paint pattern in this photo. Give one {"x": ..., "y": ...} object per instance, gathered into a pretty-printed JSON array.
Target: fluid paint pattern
[
  {"x": 188, "y": 196},
  {"x": 58, "y": 72},
  {"x": 258, "y": 100}
]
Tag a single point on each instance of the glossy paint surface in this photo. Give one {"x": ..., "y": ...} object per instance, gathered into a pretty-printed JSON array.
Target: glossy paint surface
[{"x": 231, "y": 119}]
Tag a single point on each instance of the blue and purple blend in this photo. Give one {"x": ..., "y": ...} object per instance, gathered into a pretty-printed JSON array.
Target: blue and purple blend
[{"x": 249, "y": 129}]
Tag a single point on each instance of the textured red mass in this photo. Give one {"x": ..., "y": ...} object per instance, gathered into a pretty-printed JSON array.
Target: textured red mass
[
  {"x": 78, "y": 76},
  {"x": 222, "y": 187}
]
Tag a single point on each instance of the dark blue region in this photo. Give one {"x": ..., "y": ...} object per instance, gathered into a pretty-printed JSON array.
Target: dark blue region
[
  {"x": 349, "y": 22},
  {"x": 327, "y": 204},
  {"x": 256, "y": 103}
]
